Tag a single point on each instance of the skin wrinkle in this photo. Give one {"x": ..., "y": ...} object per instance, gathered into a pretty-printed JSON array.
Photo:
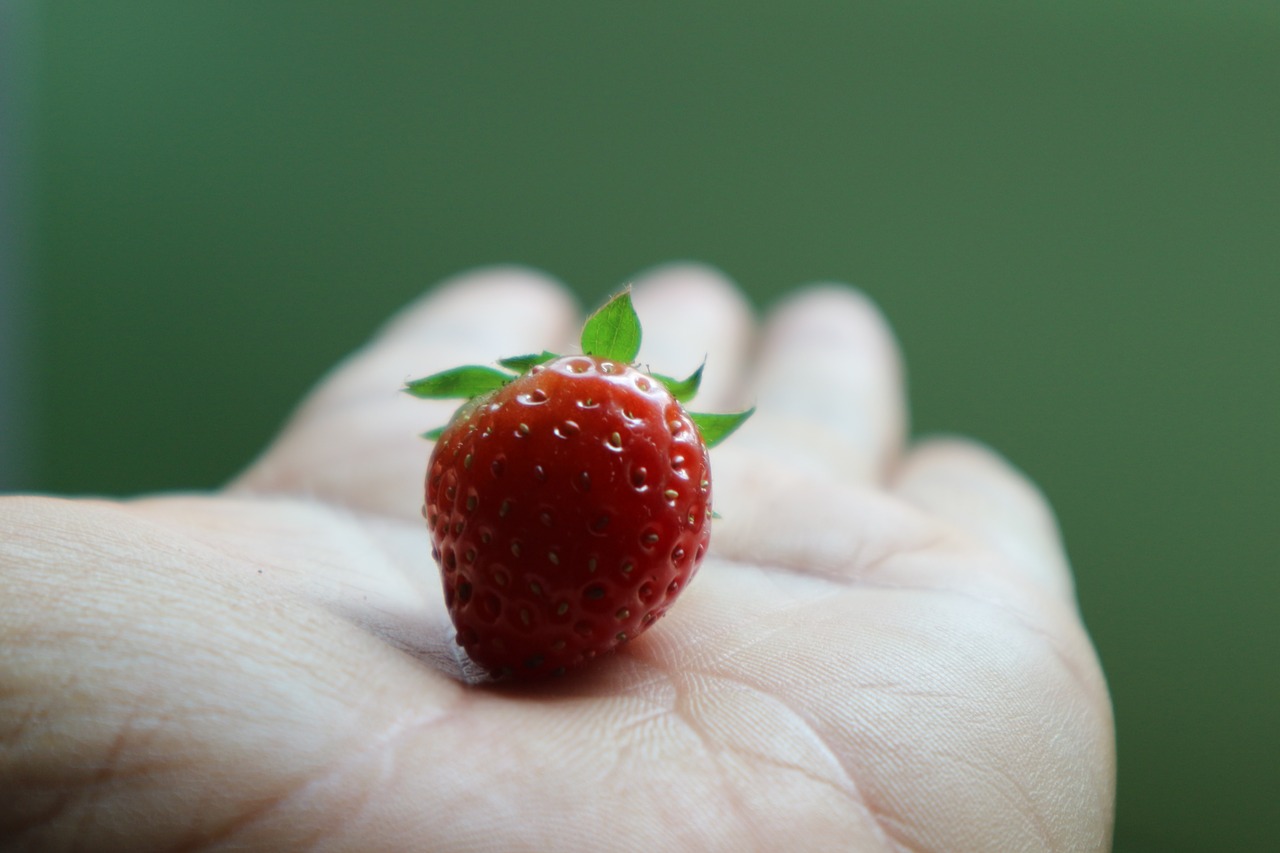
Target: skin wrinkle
[
  {"x": 84, "y": 794},
  {"x": 1010, "y": 609},
  {"x": 895, "y": 834},
  {"x": 37, "y": 713},
  {"x": 849, "y": 790},
  {"x": 178, "y": 517},
  {"x": 1005, "y": 606},
  {"x": 682, "y": 711},
  {"x": 354, "y": 605},
  {"x": 234, "y": 826},
  {"x": 882, "y": 821},
  {"x": 627, "y": 758},
  {"x": 32, "y": 824},
  {"x": 763, "y": 637},
  {"x": 827, "y": 506},
  {"x": 1021, "y": 804},
  {"x": 347, "y": 607},
  {"x": 55, "y": 533},
  {"x": 696, "y": 664},
  {"x": 660, "y": 675},
  {"x": 1026, "y": 806},
  {"x": 1054, "y": 643},
  {"x": 340, "y": 811},
  {"x": 57, "y": 805},
  {"x": 106, "y": 772},
  {"x": 695, "y": 654},
  {"x": 644, "y": 720},
  {"x": 848, "y": 575},
  {"x": 33, "y": 710},
  {"x": 890, "y": 826}
]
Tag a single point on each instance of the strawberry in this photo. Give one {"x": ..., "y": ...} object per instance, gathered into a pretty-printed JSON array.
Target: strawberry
[{"x": 569, "y": 500}]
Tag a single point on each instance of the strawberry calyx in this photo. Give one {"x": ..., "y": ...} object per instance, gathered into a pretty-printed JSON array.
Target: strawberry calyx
[
  {"x": 521, "y": 363},
  {"x": 613, "y": 332},
  {"x": 683, "y": 390}
]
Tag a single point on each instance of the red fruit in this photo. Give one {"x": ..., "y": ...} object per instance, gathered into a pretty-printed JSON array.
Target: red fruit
[
  {"x": 568, "y": 509},
  {"x": 570, "y": 505}
]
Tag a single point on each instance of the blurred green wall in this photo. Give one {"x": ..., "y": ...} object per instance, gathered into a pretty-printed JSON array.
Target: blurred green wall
[{"x": 1071, "y": 212}]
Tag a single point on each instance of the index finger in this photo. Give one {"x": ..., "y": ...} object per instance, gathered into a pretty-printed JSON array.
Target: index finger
[
  {"x": 355, "y": 441},
  {"x": 829, "y": 387}
]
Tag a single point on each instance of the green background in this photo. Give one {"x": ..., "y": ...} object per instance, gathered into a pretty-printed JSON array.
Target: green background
[{"x": 1069, "y": 211}]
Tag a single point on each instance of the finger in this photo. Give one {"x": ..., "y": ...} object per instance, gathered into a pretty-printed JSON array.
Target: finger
[
  {"x": 978, "y": 490},
  {"x": 476, "y": 317},
  {"x": 829, "y": 387},
  {"x": 355, "y": 440},
  {"x": 691, "y": 313}
]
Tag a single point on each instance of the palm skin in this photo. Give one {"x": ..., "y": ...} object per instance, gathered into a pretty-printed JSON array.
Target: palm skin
[{"x": 881, "y": 650}]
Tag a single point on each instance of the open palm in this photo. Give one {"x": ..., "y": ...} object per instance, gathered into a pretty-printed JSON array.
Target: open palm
[{"x": 881, "y": 651}]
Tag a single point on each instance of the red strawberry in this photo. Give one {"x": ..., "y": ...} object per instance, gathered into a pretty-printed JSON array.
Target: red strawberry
[{"x": 570, "y": 505}]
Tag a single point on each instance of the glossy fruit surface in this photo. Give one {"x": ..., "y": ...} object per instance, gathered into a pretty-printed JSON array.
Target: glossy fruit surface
[{"x": 568, "y": 509}]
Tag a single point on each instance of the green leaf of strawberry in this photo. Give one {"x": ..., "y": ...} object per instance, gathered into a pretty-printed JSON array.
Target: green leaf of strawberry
[
  {"x": 570, "y": 505},
  {"x": 468, "y": 381},
  {"x": 613, "y": 331},
  {"x": 715, "y": 428},
  {"x": 521, "y": 363},
  {"x": 683, "y": 390}
]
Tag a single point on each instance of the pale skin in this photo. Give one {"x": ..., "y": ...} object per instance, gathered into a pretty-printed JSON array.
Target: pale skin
[{"x": 882, "y": 650}]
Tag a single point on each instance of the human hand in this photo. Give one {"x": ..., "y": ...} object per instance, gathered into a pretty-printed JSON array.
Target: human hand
[{"x": 882, "y": 649}]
